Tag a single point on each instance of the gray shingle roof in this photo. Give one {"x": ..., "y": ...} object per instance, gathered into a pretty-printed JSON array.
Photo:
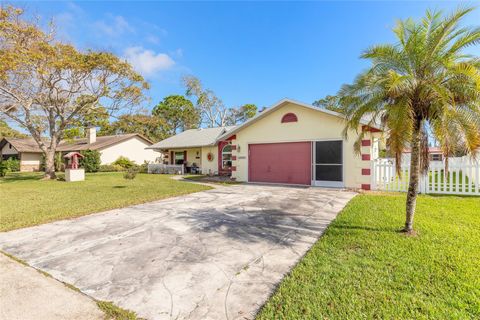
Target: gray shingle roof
[
  {"x": 30, "y": 145},
  {"x": 192, "y": 138}
]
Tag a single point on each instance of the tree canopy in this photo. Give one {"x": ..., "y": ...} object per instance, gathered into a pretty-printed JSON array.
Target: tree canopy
[
  {"x": 178, "y": 113},
  {"x": 151, "y": 127},
  {"x": 7, "y": 131},
  {"x": 46, "y": 84},
  {"x": 212, "y": 111}
]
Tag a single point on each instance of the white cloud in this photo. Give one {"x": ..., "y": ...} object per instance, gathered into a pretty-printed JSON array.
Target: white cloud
[
  {"x": 147, "y": 61},
  {"x": 114, "y": 26}
]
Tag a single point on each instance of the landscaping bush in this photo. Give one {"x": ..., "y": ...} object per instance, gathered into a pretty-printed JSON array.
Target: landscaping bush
[
  {"x": 124, "y": 162},
  {"x": 131, "y": 173},
  {"x": 12, "y": 164},
  {"x": 110, "y": 168},
  {"x": 91, "y": 160},
  {"x": 3, "y": 169},
  {"x": 143, "y": 168}
]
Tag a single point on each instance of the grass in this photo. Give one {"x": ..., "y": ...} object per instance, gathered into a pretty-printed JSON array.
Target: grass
[
  {"x": 27, "y": 200},
  {"x": 362, "y": 268},
  {"x": 116, "y": 313}
]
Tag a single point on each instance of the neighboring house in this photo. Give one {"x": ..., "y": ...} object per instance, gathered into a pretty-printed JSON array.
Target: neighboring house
[
  {"x": 133, "y": 146},
  {"x": 288, "y": 143},
  {"x": 434, "y": 154}
]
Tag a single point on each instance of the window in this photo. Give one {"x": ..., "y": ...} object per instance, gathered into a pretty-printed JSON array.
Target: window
[
  {"x": 179, "y": 158},
  {"x": 227, "y": 157},
  {"x": 289, "y": 117},
  {"x": 436, "y": 157}
]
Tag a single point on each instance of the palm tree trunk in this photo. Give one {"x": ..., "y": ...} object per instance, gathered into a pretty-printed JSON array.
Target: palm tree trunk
[{"x": 414, "y": 178}]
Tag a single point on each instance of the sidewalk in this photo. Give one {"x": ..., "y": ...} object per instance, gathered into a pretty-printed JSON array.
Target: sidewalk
[{"x": 26, "y": 294}]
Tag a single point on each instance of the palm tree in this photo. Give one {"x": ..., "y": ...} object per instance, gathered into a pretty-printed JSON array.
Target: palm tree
[{"x": 424, "y": 86}]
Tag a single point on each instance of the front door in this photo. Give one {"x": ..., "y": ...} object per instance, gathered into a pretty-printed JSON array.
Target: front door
[{"x": 328, "y": 163}]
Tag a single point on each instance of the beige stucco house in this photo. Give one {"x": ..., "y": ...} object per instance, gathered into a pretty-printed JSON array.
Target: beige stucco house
[
  {"x": 132, "y": 146},
  {"x": 288, "y": 143}
]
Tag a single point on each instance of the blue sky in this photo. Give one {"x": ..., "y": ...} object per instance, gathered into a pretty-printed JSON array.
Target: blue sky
[{"x": 247, "y": 52}]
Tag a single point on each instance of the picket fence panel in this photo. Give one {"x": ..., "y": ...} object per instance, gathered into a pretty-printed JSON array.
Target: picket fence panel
[{"x": 462, "y": 177}]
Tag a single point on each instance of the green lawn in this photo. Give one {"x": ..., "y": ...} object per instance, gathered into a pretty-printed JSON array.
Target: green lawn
[
  {"x": 26, "y": 200},
  {"x": 362, "y": 268}
]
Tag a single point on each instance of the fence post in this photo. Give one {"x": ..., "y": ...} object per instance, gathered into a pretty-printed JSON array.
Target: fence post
[{"x": 422, "y": 186}]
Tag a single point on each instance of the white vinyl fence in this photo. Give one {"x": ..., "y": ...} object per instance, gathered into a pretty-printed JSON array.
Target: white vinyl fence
[
  {"x": 463, "y": 177},
  {"x": 165, "y": 168}
]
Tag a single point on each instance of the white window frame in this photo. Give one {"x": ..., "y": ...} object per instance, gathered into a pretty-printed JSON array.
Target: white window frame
[{"x": 226, "y": 153}]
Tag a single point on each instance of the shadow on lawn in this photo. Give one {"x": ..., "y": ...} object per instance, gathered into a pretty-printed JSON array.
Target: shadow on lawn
[
  {"x": 14, "y": 177},
  {"x": 364, "y": 228}
]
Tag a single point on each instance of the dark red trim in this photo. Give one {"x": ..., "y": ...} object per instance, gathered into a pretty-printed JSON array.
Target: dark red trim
[
  {"x": 365, "y": 172},
  {"x": 366, "y": 186},
  {"x": 370, "y": 129},
  {"x": 185, "y": 157},
  {"x": 366, "y": 143},
  {"x": 232, "y": 138},
  {"x": 234, "y": 158},
  {"x": 234, "y": 147},
  {"x": 234, "y": 168},
  {"x": 365, "y": 157},
  {"x": 289, "y": 117}
]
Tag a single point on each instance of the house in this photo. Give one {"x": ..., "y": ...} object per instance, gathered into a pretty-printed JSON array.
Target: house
[
  {"x": 434, "y": 154},
  {"x": 132, "y": 146},
  {"x": 288, "y": 143}
]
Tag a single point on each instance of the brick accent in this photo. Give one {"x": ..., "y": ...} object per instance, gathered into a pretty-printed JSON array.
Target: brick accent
[
  {"x": 234, "y": 158},
  {"x": 365, "y": 157},
  {"x": 366, "y": 143},
  {"x": 234, "y": 147},
  {"x": 365, "y": 172},
  {"x": 234, "y": 168},
  {"x": 366, "y": 186}
]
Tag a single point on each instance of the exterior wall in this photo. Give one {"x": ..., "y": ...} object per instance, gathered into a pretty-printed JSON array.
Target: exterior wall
[
  {"x": 312, "y": 125},
  {"x": 133, "y": 149},
  {"x": 209, "y": 167},
  {"x": 30, "y": 161}
]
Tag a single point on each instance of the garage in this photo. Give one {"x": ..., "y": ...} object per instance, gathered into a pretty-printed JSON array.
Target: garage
[{"x": 288, "y": 163}]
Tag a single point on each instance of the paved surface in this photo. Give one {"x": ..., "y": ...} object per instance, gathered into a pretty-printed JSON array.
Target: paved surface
[
  {"x": 216, "y": 254},
  {"x": 26, "y": 294}
]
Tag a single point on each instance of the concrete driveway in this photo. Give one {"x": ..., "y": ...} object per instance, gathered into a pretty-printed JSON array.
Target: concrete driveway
[{"x": 216, "y": 254}]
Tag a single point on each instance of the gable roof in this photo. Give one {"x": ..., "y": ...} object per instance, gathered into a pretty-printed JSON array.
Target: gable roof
[
  {"x": 281, "y": 103},
  {"x": 30, "y": 145},
  {"x": 193, "y": 138},
  {"x": 21, "y": 144}
]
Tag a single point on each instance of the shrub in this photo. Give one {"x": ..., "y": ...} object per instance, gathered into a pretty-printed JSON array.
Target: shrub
[
  {"x": 111, "y": 168},
  {"x": 3, "y": 169},
  {"x": 124, "y": 162},
  {"x": 12, "y": 164},
  {"x": 131, "y": 173},
  {"x": 91, "y": 160}
]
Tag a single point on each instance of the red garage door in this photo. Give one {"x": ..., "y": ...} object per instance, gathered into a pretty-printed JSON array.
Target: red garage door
[{"x": 280, "y": 163}]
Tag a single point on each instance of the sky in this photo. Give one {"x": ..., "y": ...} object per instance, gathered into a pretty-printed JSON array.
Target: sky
[{"x": 246, "y": 52}]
